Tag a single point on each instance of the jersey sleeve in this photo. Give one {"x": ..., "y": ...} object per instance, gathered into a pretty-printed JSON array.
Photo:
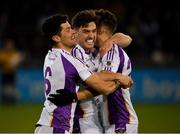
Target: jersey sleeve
[
  {"x": 78, "y": 53},
  {"x": 82, "y": 69}
]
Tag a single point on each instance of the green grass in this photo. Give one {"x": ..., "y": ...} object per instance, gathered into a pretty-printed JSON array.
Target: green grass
[
  {"x": 19, "y": 119},
  {"x": 159, "y": 118}
]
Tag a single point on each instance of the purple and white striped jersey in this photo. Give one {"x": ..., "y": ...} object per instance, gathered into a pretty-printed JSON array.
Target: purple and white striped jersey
[
  {"x": 117, "y": 107},
  {"x": 61, "y": 71},
  {"x": 91, "y": 62},
  {"x": 87, "y": 106}
]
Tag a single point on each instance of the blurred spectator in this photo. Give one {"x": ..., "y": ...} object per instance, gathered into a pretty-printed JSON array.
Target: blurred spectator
[{"x": 10, "y": 59}]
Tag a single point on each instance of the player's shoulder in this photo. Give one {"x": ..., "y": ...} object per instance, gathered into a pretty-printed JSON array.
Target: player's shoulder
[
  {"x": 115, "y": 51},
  {"x": 77, "y": 49},
  {"x": 59, "y": 53},
  {"x": 119, "y": 49},
  {"x": 115, "y": 48}
]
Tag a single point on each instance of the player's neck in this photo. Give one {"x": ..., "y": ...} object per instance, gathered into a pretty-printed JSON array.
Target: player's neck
[{"x": 66, "y": 48}]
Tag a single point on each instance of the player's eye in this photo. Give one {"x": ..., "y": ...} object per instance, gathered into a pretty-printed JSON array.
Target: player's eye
[
  {"x": 94, "y": 31},
  {"x": 85, "y": 31}
]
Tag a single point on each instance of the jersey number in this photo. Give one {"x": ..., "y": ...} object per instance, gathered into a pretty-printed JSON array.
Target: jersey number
[{"x": 48, "y": 73}]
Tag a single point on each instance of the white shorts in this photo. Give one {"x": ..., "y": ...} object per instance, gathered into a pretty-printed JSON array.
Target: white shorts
[
  {"x": 90, "y": 124},
  {"x": 130, "y": 129},
  {"x": 46, "y": 130}
]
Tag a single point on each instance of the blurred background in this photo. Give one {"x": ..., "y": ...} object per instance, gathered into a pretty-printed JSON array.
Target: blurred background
[{"x": 154, "y": 27}]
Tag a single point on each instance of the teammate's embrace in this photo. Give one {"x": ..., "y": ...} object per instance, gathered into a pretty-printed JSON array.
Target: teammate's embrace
[{"x": 62, "y": 71}]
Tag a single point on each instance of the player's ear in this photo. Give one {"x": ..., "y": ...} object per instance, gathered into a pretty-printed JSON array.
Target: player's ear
[{"x": 56, "y": 38}]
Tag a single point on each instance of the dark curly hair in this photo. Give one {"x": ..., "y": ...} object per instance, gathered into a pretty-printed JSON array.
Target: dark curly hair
[
  {"x": 84, "y": 17},
  {"x": 107, "y": 18},
  {"x": 51, "y": 26}
]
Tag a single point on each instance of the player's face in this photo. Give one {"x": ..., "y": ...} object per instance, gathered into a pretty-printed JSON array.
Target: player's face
[
  {"x": 87, "y": 36},
  {"x": 101, "y": 36},
  {"x": 67, "y": 35}
]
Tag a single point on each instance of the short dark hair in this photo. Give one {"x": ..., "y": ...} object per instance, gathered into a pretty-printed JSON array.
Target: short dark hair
[
  {"x": 106, "y": 18},
  {"x": 84, "y": 17},
  {"x": 51, "y": 26}
]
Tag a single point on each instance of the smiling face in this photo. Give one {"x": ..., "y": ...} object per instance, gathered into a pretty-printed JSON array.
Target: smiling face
[
  {"x": 87, "y": 35},
  {"x": 65, "y": 38},
  {"x": 67, "y": 35}
]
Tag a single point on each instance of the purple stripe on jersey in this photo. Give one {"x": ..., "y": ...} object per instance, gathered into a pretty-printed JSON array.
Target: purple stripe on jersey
[
  {"x": 108, "y": 55},
  {"x": 128, "y": 67},
  {"x": 118, "y": 113},
  {"x": 75, "y": 56},
  {"x": 129, "y": 64},
  {"x": 109, "y": 69},
  {"x": 78, "y": 114},
  {"x": 113, "y": 49},
  {"x": 58, "y": 131},
  {"x": 62, "y": 115},
  {"x": 71, "y": 75},
  {"x": 121, "y": 56},
  {"x": 69, "y": 71},
  {"x": 61, "y": 118},
  {"x": 82, "y": 57},
  {"x": 124, "y": 109},
  {"x": 73, "y": 52},
  {"x": 80, "y": 60}
]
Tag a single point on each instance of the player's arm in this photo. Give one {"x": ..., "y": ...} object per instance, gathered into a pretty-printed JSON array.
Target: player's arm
[
  {"x": 87, "y": 93},
  {"x": 120, "y": 39},
  {"x": 66, "y": 97},
  {"x": 98, "y": 84},
  {"x": 124, "y": 81}
]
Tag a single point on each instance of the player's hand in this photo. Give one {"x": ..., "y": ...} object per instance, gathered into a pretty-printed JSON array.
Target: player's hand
[
  {"x": 63, "y": 97},
  {"x": 107, "y": 45},
  {"x": 125, "y": 81}
]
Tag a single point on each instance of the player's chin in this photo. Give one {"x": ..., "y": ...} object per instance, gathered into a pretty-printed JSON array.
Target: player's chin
[{"x": 89, "y": 46}]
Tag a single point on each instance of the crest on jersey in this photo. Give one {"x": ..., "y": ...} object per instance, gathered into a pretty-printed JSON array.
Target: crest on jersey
[{"x": 108, "y": 63}]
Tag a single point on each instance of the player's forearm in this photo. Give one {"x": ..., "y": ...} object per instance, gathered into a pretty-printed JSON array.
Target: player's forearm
[
  {"x": 108, "y": 75},
  {"x": 121, "y": 39},
  {"x": 105, "y": 87},
  {"x": 101, "y": 86},
  {"x": 84, "y": 94},
  {"x": 124, "y": 81}
]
